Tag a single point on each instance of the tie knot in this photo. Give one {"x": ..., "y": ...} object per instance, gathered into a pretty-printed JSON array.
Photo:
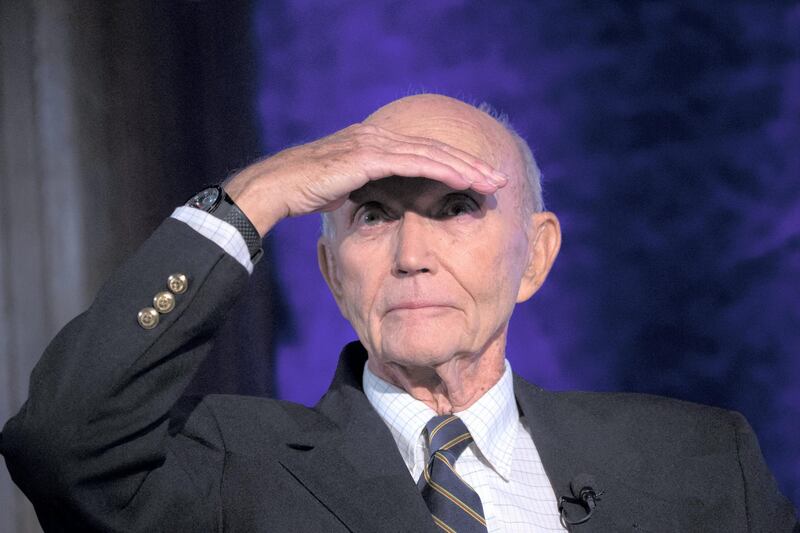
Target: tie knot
[{"x": 447, "y": 433}]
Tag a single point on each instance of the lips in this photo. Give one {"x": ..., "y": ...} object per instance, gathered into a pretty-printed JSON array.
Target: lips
[{"x": 417, "y": 304}]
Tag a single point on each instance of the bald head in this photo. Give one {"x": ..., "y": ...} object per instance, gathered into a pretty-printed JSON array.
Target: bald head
[
  {"x": 453, "y": 122},
  {"x": 475, "y": 130}
]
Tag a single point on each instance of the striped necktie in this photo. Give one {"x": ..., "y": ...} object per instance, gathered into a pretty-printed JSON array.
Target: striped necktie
[{"x": 455, "y": 506}]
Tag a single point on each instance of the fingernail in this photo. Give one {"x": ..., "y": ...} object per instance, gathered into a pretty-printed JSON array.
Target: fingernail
[
  {"x": 496, "y": 180},
  {"x": 500, "y": 176}
]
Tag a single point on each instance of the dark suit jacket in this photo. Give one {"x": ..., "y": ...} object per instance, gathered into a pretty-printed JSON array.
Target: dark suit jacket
[{"x": 104, "y": 444}]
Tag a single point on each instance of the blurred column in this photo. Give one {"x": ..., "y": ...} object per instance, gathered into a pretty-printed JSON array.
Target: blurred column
[{"x": 111, "y": 114}]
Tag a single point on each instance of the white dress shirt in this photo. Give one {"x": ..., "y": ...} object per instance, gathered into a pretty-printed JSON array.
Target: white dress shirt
[
  {"x": 501, "y": 463},
  {"x": 223, "y": 234}
]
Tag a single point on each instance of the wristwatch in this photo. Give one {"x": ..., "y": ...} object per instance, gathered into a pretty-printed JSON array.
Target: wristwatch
[{"x": 215, "y": 201}]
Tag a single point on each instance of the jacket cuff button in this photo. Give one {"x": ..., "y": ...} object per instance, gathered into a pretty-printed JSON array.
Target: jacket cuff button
[
  {"x": 148, "y": 318},
  {"x": 177, "y": 283},
  {"x": 164, "y": 302}
]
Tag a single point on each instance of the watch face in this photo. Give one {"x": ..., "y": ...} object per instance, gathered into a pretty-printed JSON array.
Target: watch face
[{"x": 205, "y": 199}]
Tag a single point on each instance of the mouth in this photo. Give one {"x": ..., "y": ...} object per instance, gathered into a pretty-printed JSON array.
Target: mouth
[{"x": 418, "y": 306}]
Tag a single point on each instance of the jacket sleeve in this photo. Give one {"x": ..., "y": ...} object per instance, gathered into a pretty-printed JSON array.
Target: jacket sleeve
[
  {"x": 766, "y": 508},
  {"x": 93, "y": 445}
]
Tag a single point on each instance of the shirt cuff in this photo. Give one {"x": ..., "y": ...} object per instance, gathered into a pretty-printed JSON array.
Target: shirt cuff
[{"x": 223, "y": 234}]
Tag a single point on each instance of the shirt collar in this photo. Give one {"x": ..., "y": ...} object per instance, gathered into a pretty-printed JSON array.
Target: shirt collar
[
  {"x": 405, "y": 416},
  {"x": 493, "y": 420}
]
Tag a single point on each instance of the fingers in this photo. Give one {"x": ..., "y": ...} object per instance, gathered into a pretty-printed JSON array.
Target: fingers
[
  {"x": 320, "y": 175},
  {"x": 468, "y": 158},
  {"x": 475, "y": 175},
  {"x": 485, "y": 168},
  {"x": 412, "y": 165},
  {"x": 431, "y": 159}
]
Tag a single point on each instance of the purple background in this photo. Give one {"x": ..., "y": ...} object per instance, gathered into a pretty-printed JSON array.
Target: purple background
[{"x": 669, "y": 138}]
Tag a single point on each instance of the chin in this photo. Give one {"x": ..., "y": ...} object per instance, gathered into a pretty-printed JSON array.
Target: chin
[
  {"x": 410, "y": 359},
  {"x": 414, "y": 350},
  {"x": 414, "y": 339}
]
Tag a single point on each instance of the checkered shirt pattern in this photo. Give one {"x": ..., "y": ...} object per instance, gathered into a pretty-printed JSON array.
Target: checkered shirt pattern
[
  {"x": 501, "y": 463},
  {"x": 223, "y": 234}
]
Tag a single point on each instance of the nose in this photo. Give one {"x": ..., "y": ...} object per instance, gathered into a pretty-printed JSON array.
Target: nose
[{"x": 413, "y": 252}]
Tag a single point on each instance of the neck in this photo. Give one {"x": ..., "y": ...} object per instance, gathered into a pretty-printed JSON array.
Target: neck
[{"x": 452, "y": 386}]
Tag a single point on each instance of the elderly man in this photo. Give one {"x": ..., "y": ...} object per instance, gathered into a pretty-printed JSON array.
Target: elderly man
[{"x": 434, "y": 230}]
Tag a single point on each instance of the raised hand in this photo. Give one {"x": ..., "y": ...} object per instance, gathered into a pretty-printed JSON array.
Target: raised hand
[{"x": 319, "y": 176}]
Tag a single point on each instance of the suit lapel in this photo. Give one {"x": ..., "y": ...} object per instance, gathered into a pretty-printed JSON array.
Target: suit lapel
[
  {"x": 354, "y": 468},
  {"x": 572, "y": 441}
]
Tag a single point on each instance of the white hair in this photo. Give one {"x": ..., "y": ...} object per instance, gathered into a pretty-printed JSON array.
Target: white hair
[
  {"x": 533, "y": 201},
  {"x": 533, "y": 175}
]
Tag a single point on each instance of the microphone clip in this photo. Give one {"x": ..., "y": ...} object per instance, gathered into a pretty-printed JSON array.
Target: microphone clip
[{"x": 586, "y": 497}]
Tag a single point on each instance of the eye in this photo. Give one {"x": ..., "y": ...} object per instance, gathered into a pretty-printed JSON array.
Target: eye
[
  {"x": 370, "y": 214},
  {"x": 459, "y": 204}
]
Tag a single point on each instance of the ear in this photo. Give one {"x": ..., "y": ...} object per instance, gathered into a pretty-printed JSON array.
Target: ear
[
  {"x": 544, "y": 241},
  {"x": 327, "y": 266}
]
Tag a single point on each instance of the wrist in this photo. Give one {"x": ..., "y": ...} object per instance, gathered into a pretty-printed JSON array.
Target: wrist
[
  {"x": 264, "y": 208},
  {"x": 215, "y": 201}
]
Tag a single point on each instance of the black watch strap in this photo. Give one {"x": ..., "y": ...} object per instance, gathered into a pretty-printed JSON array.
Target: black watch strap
[{"x": 215, "y": 201}]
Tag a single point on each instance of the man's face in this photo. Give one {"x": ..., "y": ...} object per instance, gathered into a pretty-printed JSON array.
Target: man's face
[{"x": 424, "y": 272}]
